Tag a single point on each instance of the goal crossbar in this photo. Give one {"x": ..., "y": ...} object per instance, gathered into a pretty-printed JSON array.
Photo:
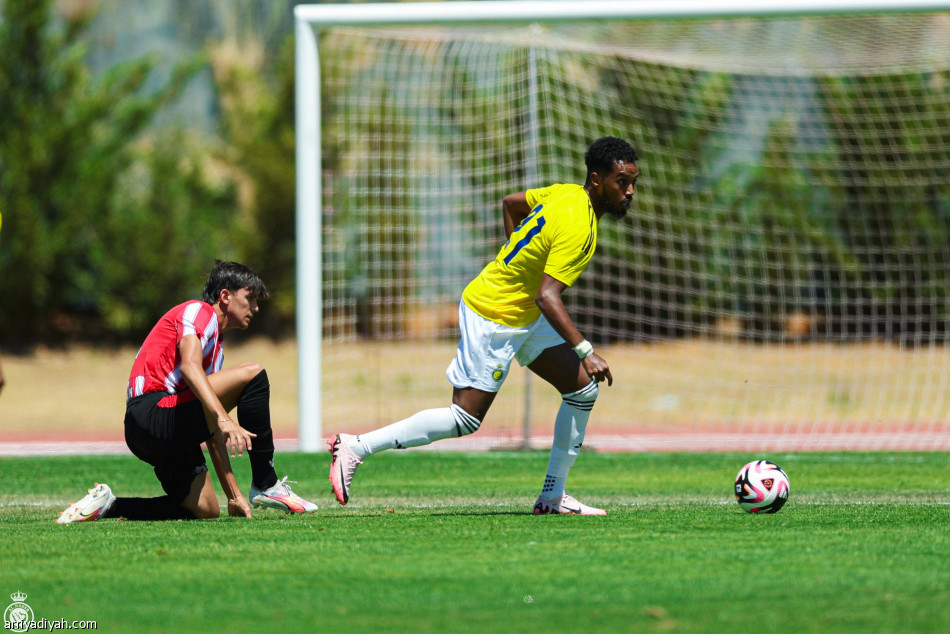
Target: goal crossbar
[{"x": 421, "y": 13}]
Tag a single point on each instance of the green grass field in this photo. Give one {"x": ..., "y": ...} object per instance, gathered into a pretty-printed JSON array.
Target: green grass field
[{"x": 445, "y": 542}]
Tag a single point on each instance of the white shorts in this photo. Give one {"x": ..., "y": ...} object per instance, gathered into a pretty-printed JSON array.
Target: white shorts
[{"x": 486, "y": 349}]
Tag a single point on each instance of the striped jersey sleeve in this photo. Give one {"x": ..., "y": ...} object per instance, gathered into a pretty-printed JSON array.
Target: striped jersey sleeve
[{"x": 157, "y": 366}]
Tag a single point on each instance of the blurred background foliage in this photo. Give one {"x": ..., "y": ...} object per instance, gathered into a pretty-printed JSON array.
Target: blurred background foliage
[
  {"x": 786, "y": 193},
  {"x": 118, "y": 194},
  {"x": 842, "y": 217},
  {"x": 115, "y": 207}
]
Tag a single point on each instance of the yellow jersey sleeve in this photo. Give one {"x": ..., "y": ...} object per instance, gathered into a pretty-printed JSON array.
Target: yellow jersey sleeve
[
  {"x": 572, "y": 246},
  {"x": 558, "y": 237}
]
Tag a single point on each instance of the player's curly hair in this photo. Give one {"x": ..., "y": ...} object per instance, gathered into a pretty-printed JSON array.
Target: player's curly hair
[
  {"x": 604, "y": 152},
  {"x": 232, "y": 276}
]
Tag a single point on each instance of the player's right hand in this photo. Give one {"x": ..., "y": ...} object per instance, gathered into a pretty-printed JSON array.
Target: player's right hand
[
  {"x": 239, "y": 507},
  {"x": 236, "y": 438}
]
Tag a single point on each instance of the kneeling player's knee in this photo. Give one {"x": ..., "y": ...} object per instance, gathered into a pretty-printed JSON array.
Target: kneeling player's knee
[
  {"x": 202, "y": 502},
  {"x": 205, "y": 508},
  {"x": 257, "y": 385},
  {"x": 465, "y": 423},
  {"x": 584, "y": 398},
  {"x": 253, "y": 371},
  {"x": 207, "y": 511}
]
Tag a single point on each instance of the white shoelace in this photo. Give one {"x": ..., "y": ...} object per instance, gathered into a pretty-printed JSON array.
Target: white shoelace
[{"x": 285, "y": 484}]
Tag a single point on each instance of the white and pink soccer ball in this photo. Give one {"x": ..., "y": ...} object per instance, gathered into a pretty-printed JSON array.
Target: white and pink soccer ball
[{"x": 761, "y": 487}]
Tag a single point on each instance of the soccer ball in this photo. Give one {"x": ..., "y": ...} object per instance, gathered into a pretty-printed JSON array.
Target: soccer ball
[{"x": 761, "y": 487}]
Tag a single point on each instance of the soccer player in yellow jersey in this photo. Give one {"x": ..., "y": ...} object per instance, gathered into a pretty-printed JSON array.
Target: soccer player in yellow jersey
[{"x": 513, "y": 310}]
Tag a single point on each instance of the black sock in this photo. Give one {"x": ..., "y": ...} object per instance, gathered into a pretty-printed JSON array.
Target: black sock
[
  {"x": 148, "y": 509},
  {"x": 253, "y": 410}
]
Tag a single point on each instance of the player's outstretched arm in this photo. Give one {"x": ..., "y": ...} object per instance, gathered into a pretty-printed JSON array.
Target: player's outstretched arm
[
  {"x": 236, "y": 437},
  {"x": 237, "y": 504},
  {"x": 552, "y": 307}
]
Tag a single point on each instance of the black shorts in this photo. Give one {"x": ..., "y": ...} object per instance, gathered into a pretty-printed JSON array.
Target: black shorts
[{"x": 166, "y": 431}]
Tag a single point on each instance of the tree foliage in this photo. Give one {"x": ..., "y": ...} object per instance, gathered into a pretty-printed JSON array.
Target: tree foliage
[
  {"x": 105, "y": 220},
  {"x": 256, "y": 101}
]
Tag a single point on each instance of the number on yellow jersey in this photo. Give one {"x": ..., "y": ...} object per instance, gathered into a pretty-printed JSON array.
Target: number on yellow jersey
[{"x": 533, "y": 231}]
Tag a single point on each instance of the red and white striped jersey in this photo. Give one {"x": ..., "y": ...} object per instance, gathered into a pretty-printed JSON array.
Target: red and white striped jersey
[{"x": 157, "y": 366}]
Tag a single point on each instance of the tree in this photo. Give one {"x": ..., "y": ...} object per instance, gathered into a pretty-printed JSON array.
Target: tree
[{"x": 69, "y": 143}]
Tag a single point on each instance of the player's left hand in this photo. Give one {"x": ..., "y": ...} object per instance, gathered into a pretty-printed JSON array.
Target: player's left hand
[
  {"x": 239, "y": 507},
  {"x": 597, "y": 368}
]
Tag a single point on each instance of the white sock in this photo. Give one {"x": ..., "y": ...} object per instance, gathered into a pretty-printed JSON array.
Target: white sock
[
  {"x": 553, "y": 487},
  {"x": 570, "y": 426},
  {"x": 419, "y": 429}
]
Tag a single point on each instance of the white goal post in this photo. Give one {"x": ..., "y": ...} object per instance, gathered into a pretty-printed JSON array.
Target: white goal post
[{"x": 311, "y": 189}]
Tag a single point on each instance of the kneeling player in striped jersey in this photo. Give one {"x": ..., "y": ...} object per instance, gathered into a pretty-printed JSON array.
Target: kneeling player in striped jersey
[
  {"x": 513, "y": 310},
  {"x": 180, "y": 397}
]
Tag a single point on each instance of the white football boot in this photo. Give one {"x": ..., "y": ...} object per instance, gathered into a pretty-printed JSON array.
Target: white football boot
[
  {"x": 93, "y": 506},
  {"x": 343, "y": 465},
  {"x": 565, "y": 505},
  {"x": 282, "y": 498}
]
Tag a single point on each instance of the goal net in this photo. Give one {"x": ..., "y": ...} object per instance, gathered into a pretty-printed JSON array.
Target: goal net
[{"x": 782, "y": 281}]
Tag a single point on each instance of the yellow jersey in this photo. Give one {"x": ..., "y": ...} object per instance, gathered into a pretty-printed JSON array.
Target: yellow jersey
[{"x": 558, "y": 237}]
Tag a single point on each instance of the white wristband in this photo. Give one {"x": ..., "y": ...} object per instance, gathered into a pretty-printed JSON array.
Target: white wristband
[{"x": 584, "y": 349}]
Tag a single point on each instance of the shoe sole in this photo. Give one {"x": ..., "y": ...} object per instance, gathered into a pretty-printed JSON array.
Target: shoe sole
[
  {"x": 540, "y": 509},
  {"x": 92, "y": 517},
  {"x": 540, "y": 512},
  {"x": 280, "y": 505},
  {"x": 336, "y": 476}
]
